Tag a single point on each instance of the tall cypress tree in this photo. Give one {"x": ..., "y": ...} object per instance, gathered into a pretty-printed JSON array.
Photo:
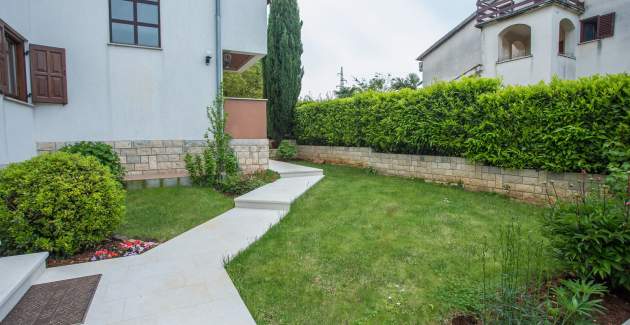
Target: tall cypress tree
[{"x": 283, "y": 67}]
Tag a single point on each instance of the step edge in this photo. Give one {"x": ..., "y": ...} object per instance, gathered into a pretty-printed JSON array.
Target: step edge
[{"x": 38, "y": 267}]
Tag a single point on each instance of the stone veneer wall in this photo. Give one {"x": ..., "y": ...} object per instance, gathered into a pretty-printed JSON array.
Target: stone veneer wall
[
  {"x": 523, "y": 184},
  {"x": 163, "y": 157}
]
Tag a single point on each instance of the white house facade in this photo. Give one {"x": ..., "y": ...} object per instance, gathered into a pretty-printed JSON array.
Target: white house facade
[
  {"x": 528, "y": 41},
  {"x": 138, "y": 74}
]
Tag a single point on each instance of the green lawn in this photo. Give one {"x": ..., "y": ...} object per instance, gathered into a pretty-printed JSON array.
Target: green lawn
[
  {"x": 163, "y": 213},
  {"x": 368, "y": 249}
]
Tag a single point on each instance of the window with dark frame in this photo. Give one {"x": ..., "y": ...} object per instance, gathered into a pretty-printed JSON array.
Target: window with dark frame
[
  {"x": 589, "y": 30},
  {"x": 12, "y": 59},
  {"x": 135, "y": 22},
  {"x": 597, "y": 27}
]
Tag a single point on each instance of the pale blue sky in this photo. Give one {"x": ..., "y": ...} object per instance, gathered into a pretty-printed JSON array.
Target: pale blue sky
[{"x": 369, "y": 36}]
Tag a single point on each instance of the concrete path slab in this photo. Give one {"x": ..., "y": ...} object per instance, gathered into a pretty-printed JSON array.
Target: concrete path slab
[
  {"x": 287, "y": 170},
  {"x": 183, "y": 280}
]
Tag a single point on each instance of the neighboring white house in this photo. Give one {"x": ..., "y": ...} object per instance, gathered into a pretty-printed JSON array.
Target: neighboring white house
[
  {"x": 528, "y": 41},
  {"x": 138, "y": 74}
]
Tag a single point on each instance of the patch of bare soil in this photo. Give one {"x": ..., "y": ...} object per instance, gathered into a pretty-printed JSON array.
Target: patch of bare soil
[{"x": 617, "y": 309}]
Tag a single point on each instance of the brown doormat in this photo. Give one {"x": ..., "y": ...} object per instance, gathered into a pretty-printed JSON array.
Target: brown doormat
[{"x": 56, "y": 303}]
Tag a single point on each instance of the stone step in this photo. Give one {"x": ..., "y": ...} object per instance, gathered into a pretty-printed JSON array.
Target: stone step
[
  {"x": 155, "y": 180},
  {"x": 18, "y": 274},
  {"x": 278, "y": 195},
  {"x": 287, "y": 170}
]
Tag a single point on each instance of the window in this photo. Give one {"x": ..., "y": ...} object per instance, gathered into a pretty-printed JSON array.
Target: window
[
  {"x": 12, "y": 67},
  {"x": 135, "y": 22},
  {"x": 566, "y": 43},
  {"x": 515, "y": 42},
  {"x": 597, "y": 27}
]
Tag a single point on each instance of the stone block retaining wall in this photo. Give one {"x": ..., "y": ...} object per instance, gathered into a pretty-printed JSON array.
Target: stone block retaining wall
[
  {"x": 151, "y": 157},
  {"x": 523, "y": 184}
]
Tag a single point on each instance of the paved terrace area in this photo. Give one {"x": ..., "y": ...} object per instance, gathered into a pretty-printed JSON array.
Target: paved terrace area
[{"x": 183, "y": 280}]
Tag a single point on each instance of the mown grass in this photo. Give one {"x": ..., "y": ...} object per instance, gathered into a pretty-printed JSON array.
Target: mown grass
[
  {"x": 368, "y": 249},
  {"x": 163, "y": 213}
]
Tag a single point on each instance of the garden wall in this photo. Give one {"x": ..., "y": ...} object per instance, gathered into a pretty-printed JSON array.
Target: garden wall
[
  {"x": 151, "y": 157},
  {"x": 523, "y": 184}
]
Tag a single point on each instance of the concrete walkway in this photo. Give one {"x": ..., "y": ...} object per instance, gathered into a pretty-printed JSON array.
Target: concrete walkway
[{"x": 183, "y": 280}]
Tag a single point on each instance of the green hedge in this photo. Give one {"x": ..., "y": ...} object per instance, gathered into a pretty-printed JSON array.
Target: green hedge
[{"x": 560, "y": 126}]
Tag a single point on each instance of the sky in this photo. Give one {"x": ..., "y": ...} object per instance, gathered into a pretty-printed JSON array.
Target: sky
[{"x": 370, "y": 36}]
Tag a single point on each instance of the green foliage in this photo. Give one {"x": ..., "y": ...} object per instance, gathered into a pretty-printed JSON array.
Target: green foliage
[
  {"x": 561, "y": 126},
  {"x": 378, "y": 82},
  {"x": 202, "y": 168},
  {"x": 287, "y": 150},
  {"x": 282, "y": 67},
  {"x": 241, "y": 184},
  {"x": 576, "y": 302},
  {"x": 218, "y": 161},
  {"x": 428, "y": 121},
  {"x": 591, "y": 236},
  {"x": 104, "y": 153},
  {"x": 619, "y": 166},
  {"x": 514, "y": 297},
  {"x": 247, "y": 84},
  {"x": 60, "y": 203},
  {"x": 566, "y": 125}
]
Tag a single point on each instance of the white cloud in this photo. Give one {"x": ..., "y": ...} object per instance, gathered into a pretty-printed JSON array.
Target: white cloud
[{"x": 370, "y": 36}]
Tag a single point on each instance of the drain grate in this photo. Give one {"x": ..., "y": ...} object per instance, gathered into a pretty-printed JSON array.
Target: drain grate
[{"x": 57, "y": 303}]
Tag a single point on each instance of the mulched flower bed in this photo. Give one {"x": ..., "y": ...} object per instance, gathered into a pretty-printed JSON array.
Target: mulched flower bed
[
  {"x": 617, "y": 309},
  {"x": 112, "y": 248}
]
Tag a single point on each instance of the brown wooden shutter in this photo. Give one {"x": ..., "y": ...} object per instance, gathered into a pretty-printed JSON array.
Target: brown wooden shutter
[
  {"x": 4, "y": 57},
  {"x": 606, "y": 25},
  {"x": 48, "y": 74}
]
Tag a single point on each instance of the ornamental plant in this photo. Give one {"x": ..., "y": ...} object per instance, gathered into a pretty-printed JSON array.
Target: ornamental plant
[
  {"x": 104, "y": 153},
  {"x": 61, "y": 203},
  {"x": 218, "y": 161},
  {"x": 287, "y": 150},
  {"x": 591, "y": 236}
]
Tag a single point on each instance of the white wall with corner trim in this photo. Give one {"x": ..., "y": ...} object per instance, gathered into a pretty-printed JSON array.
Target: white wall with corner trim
[{"x": 118, "y": 92}]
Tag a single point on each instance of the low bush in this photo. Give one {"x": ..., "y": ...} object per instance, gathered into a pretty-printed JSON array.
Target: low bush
[
  {"x": 60, "y": 203},
  {"x": 591, "y": 236},
  {"x": 287, "y": 150},
  {"x": 241, "y": 184},
  {"x": 104, "y": 153},
  {"x": 562, "y": 126}
]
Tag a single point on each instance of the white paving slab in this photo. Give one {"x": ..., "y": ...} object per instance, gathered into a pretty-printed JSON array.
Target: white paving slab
[
  {"x": 183, "y": 280},
  {"x": 278, "y": 195},
  {"x": 17, "y": 274},
  {"x": 287, "y": 170}
]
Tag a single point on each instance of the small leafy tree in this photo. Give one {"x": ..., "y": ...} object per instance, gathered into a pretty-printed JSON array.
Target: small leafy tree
[{"x": 218, "y": 161}]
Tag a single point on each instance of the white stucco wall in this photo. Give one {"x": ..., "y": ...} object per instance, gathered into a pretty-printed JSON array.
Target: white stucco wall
[
  {"x": 545, "y": 61},
  {"x": 459, "y": 54},
  {"x": 16, "y": 131},
  {"x": 523, "y": 70},
  {"x": 609, "y": 55},
  {"x": 122, "y": 93},
  {"x": 244, "y": 26}
]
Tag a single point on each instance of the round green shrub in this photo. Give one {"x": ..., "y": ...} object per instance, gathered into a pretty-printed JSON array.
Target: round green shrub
[
  {"x": 104, "y": 153},
  {"x": 286, "y": 150},
  {"x": 60, "y": 203}
]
